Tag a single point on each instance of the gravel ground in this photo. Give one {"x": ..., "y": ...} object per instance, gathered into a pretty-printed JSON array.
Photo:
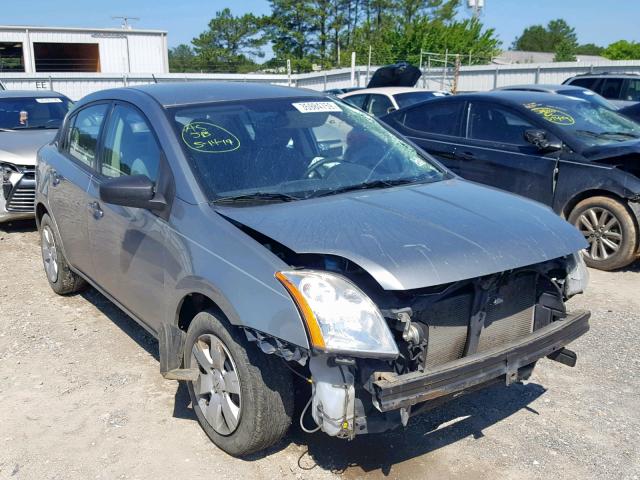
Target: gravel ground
[{"x": 81, "y": 397}]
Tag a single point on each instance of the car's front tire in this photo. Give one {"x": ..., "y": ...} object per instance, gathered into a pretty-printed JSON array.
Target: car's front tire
[
  {"x": 61, "y": 278},
  {"x": 243, "y": 398},
  {"x": 610, "y": 229}
]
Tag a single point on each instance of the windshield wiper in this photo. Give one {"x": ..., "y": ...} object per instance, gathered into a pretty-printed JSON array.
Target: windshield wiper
[
  {"x": 607, "y": 134},
  {"x": 257, "y": 197},
  {"x": 368, "y": 185}
]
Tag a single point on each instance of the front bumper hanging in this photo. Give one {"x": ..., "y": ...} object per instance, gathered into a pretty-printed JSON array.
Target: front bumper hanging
[{"x": 392, "y": 391}]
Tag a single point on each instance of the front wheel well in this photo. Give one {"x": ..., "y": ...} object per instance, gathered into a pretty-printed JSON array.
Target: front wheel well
[
  {"x": 191, "y": 305},
  {"x": 40, "y": 211},
  {"x": 575, "y": 200}
]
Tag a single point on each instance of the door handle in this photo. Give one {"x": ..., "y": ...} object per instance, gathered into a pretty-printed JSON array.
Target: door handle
[
  {"x": 96, "y": 211},
  {"x": 465, "y": 155},
  {"x": 56, "y": 178}
]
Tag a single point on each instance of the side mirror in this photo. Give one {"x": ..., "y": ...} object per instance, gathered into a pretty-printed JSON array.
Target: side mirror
[
  {"x": 131, "y": 191},
  {"x": 542, "y": 140}
]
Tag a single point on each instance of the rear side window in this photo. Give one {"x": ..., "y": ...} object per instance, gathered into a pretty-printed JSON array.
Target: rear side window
[
  {"x": 356, "y": 100},
  {"x": 442, "y": 118},
  {"x": 130, "y": 147},
  {"x": 83, "y": 133},
  {"x": 611, "y": 88},
  {"x": 379, "y": 105},
  {"x": 496, "y": 124},
  {"x": 589, "y": 83},
  {"x": 632, "y": 90}
]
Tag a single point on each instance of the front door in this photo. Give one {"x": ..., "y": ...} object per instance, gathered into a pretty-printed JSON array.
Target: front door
[
  {"x": 68, "y": 176},
  {"x": 496, "y": 153},
  {"x": 127, "y": 244}
]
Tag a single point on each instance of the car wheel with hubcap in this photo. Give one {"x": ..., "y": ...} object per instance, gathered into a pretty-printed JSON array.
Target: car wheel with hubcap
[
  {"x": 243, "y": 398},
  {"x": 610, "y": 229},
  {"x": 62, "y": 280}
]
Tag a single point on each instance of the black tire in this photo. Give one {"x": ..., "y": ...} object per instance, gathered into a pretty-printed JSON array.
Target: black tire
[
  {"x": 65, "y": 281},
  {"x": 623, "y": 233},
  {"x": 265, "y": 387}
]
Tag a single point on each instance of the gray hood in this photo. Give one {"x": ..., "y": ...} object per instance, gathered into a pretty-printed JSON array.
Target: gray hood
[
  {"x": 21, "y": 146},
  {"x": 418, "y": 236}
]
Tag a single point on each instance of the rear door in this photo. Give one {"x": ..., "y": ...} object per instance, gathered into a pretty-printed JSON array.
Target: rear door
[
  {"x": 497, "y": 154},
  {"x": 68, "y": 178},
  {"x": 127, "y": 244},
  {"x": 436, "y": 126}
]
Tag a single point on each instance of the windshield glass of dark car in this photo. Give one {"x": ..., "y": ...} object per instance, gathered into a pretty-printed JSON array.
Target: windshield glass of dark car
[
  {"x": 592, "y": 124},
  {"x": 32, "y": 112},
  {"x": 589, "y": 96},
  {"x": 294, "y": 148}
]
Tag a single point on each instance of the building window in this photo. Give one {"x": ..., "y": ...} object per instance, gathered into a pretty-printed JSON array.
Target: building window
[
  {"x": 66, "y": 57},
  {"x": 11, "y": 57}
]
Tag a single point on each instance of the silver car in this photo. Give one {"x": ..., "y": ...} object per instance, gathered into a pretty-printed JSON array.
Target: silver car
[
  {"x": 28, "y": 120},
  {"x": 347, "y": 271}
]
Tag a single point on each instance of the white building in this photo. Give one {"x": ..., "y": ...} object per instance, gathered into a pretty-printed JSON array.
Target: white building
[{"x": 32, "y": 49}]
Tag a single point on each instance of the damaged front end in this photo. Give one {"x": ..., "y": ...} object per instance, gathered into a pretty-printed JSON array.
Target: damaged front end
[{"x": 381, "y": 356}]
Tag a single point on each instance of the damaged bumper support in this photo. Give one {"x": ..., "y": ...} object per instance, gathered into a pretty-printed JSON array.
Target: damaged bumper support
[{"x": 392, "y": 392}]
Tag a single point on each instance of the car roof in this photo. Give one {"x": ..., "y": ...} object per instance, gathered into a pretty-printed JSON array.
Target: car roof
[
  {"x": 513, "y": 97},
  {"x": 29, "y": 93},
  {"x": 179, "y": 93},
  {"x": 541, "y": 87},
  {"x": 606, "y": 74},
  {"x": 390, "y": 90}
]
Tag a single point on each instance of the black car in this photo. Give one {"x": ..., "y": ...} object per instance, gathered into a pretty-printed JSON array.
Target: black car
[
  {"x": 581, "y": 159},
  {"x": 632, "y": 111}
]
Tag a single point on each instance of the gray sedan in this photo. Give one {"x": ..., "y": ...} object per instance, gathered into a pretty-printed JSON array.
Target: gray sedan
[
  {"x": 28, "y": 120},
  {"x": 286, "y": 247}
]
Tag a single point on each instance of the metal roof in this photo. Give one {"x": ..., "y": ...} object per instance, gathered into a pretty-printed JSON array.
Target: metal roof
[
  {"x": 179, "y": 93},
  {"x": 79, "y": 29}
]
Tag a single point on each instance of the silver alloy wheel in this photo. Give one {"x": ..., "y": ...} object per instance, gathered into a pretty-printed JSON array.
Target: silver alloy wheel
[
  {"x": 602, "y": 230},
  {"x": 49, "y": 254},
  {"x": 218, "y": 386}
]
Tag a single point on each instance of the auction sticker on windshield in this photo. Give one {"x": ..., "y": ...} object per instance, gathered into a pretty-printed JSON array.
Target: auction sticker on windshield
[
  {"x": 209, "y": 138},
  {"x": 316, "y": 107},
  {"x": 551, "y": 114}
]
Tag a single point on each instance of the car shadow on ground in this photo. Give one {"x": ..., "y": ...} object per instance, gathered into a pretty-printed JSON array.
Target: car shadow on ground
[
  {"x": 18, "y": 226},
  {"x": 463, "y": 417}
]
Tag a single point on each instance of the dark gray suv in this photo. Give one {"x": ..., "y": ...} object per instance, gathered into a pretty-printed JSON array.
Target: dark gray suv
[{"x": 277, "y": 241}]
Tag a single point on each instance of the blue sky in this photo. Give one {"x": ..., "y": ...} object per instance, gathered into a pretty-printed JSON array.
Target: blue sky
[{"x": 596, "y": 21}]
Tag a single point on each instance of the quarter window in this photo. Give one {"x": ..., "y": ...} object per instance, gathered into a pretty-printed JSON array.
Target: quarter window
[
  {"x": 441, "y": 118},
  {"x": 130, "y": 148},
  {"x": 84, "y": 132},
  {"x": 379, "y": 105},
  {"x": 356, "y": 100},
  {"x": 496, "y": 124}
]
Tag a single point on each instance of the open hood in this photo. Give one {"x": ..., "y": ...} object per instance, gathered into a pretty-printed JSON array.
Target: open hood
[
  {"x": 400, "y": 74},
  {"x": 418, "y": 236}
]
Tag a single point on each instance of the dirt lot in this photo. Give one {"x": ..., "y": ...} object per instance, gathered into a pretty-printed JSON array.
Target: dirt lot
[{"x": 81, "y": 397}]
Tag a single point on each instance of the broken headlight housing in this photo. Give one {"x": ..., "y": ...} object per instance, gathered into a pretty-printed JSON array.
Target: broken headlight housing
[
  {"x": 340, "y": 318},
  {"x": 577, "y": 276},
  {"x": 6, "y": 170}
]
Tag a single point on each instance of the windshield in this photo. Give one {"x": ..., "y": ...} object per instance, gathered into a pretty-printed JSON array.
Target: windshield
[
  {"x": 590, "y": 123},
  {"x": 294, "y": 148},
  {"x": 589, "y": 96},
  {"x": 32, "y": 112},
  {"x": 411, "y": 98}
]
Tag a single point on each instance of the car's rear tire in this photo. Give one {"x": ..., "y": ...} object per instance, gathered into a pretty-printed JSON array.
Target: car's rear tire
[
  {"x": 62, "y": 280},
  {"x": 610, "y": 229},
  {"x": 243, "y": 398}
]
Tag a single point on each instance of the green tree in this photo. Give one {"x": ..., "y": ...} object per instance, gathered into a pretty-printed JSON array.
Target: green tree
[
  {"x": 182, "y": 59},
  {"x": 589, "y": 49},
  {"x": 538, "y": 38},
  {"x": 292, "y": 28},
  {"x": 623, "y": 50},
  {"x": 230, "y": 42},
  {"x": 565, "y": 51}
]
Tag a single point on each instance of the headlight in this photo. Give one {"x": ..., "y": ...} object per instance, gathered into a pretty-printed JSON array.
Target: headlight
[
  {"x": 5, "y": 172},
  {"x": 340, "y": 318},
  {"x": 577, "y": 276}
]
